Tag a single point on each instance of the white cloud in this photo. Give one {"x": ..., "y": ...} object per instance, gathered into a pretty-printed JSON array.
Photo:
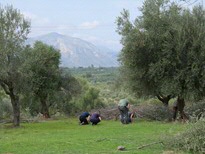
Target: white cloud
[
  {"x": 29, "y": 15},
  {"x": 89, "y": 25},
  {"x": 61, "y": 27},
  {"x": 41, "y": 25},
  {"x": 92, "y": 39},
  {"x": 35, "y": 20}
]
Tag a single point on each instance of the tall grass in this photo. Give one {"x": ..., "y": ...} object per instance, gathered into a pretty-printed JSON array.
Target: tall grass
[{"x": 67, "y": 137}]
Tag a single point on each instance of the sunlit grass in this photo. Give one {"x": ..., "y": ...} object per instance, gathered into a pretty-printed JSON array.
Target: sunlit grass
[{"x": 66, "y": 136}]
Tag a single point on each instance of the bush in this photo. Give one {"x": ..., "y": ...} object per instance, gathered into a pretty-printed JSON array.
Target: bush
[
  {"x": 191, "y": 140},
  {"x": 90, "y": 99},
  {"x": 153, "y": 112},
  {"x": 5, "y": 108},
  {"x": 196, "y": 110}
]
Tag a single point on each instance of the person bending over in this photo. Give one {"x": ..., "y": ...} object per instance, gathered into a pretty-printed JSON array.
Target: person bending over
[
  {"x": 130, "y": 117},
  {"x": 95, "y": 118},
  {"x": 84, "y": 118},
  {"x": 123, "y": 107}
]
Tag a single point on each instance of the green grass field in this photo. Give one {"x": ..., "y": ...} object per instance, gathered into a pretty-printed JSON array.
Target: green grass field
[{"x": 67, "y": 137}]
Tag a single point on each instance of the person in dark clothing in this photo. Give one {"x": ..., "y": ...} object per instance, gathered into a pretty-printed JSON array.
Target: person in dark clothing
[
  {"x": 84, "y": 118},
  {"x": 95, "y": 118},
  {"x": 130, "y": 117},
  {"x": 123, "y": 107}
]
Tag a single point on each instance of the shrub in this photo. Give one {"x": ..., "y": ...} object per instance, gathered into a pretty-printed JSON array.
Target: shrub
[
  {"x": 153, "y": 112},
  {"x": 196, "y": 110},
  {"x": 191, "y": 140},
  {"x": 5, "y": 108}
]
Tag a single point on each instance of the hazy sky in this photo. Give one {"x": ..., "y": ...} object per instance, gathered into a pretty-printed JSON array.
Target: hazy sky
[{"x": 90, "y": 20}]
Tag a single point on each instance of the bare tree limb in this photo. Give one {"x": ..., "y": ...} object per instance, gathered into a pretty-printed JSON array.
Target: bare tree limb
[{"x": 146, "y": 145}]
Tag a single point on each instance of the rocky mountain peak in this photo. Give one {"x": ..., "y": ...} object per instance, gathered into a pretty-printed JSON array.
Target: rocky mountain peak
[{"x": 76, "y": 52}]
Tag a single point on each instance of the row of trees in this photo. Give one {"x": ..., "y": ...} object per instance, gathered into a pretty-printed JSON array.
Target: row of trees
[
  {"x": 23, "y": 68},
  {"x": 31, "y": 74},
  {"x": 163, "y": 51}
]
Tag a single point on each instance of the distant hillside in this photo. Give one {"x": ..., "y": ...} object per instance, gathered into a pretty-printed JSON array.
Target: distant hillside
[{"x": 76, "y": 52}]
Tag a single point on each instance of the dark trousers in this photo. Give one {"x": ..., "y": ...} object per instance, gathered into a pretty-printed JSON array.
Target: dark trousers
[
  {"x": 95, "y": 121},
  {"x": 124, "y": 118}
]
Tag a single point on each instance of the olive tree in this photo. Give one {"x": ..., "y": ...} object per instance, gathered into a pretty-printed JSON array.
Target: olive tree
[
  {"x": 14, "y": 29},
  {"x": 42, "y": 75},
  {"x": 163, "y": 51}
]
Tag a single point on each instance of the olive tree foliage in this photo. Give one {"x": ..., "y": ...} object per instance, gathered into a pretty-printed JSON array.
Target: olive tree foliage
[
  {"x": 163, "y": 50},
  {"x": 70, "y": 88},
  {"x": 87, "y": 99},
  {"x": 41, "y": 69},
  {"x": 14, "y": 29}
]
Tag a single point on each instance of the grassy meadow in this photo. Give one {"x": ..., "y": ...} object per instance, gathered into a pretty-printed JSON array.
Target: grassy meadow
[{"x": 66, "y": 136}]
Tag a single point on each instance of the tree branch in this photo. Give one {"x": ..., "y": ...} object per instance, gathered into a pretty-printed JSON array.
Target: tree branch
[
  {"x": 146, "y": 145},
  {"x": 3, "y": 85},
  {"x": 160, "y": 98}
]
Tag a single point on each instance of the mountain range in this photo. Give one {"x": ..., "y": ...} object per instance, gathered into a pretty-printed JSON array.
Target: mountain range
[{"x": 76, "y": 52}]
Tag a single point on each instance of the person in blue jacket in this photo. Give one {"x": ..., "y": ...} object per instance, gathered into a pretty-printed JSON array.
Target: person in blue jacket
[{"x": 84, "y": 118}]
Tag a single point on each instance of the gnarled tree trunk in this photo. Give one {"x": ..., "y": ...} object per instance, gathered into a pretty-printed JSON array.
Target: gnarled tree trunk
[
  {"x": 9, "y": 90},
  {"x": 44, "y": 108},
  {"x": 16, "y": 109},
  {"x": 164, "y": 99},
  {"x": 179, "y": 106}
]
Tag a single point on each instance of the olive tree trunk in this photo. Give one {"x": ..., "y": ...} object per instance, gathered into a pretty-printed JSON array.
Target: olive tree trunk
[
  {"x": 16, "y": 110},
  {"x": 44, "y": 108}
]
